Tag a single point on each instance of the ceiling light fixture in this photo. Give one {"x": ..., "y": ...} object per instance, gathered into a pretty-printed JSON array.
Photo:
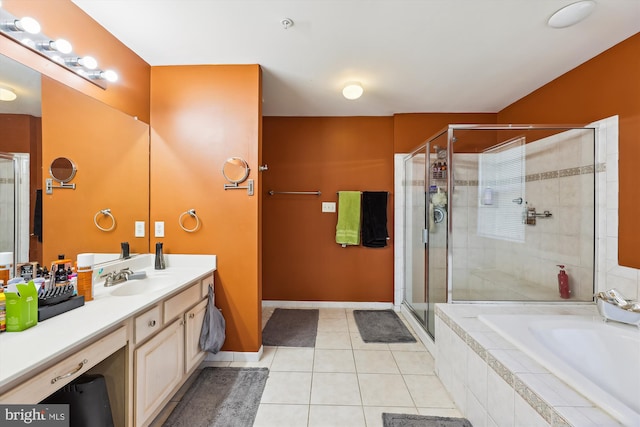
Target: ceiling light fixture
[
  {"x": 352, "y": 90},
  {"x": 571, "y": 14},
  {"x": 26, "y": 25},
  {"x": 60, "y": 45},
  {"x": 7, "y": 94},
  {"x": 26, "y": 31}
]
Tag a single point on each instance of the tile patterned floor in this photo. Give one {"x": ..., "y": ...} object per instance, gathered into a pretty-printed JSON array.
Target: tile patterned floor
[{"x": 343, "y": 381}]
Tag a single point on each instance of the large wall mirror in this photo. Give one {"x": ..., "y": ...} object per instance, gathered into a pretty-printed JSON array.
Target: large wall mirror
[{"x": 109, "y": 149}]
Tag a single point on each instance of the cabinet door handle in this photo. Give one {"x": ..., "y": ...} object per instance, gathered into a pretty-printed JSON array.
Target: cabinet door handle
[
  {"x": 68, "y": 374},
  {"x": 152, "y": 323},
  {"x": 192, "y": 315}
]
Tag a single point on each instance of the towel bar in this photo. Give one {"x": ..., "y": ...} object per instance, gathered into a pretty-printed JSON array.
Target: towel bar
[{"x": 310, "y": 193}]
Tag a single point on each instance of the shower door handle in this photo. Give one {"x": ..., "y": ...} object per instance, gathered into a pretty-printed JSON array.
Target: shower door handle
[{"x": 425, "y": 236}]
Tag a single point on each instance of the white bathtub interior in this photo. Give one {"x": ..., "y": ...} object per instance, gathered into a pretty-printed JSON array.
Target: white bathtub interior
[{"x": 600, "y": 360}]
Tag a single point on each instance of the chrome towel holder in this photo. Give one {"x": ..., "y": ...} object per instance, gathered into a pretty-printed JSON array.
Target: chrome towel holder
[
  {"x": 191, "y": 213},
  {"x": 105, "y": 212}
]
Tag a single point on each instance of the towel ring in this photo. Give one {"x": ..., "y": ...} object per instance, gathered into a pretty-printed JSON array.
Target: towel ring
[
  {"x": 105, "y": 212},
  {"x": 192, "y": 213}
]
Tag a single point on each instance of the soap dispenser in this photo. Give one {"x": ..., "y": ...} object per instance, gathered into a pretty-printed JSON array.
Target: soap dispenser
[{"x": 159, "y": 257}]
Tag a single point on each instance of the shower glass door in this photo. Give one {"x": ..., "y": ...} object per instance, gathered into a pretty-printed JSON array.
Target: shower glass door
[
  {"x": 415, "y": 286},
  {"x": 426, "y": 230}
]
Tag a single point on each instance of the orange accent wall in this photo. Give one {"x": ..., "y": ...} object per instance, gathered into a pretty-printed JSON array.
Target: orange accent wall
[
  {"x": 110, "y": 150},
  {"x": 411, "y": 130},
  {"x": 302, "y": 261},
  {"x": 63, "y": 19},
  {"x": 201, "y": 116},
  {"x": 606, "y": 85}
]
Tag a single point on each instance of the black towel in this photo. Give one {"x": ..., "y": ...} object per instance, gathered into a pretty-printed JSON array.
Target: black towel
[
  {"x": 37, "y": 216},
  {"x": 374, "y": 219}
]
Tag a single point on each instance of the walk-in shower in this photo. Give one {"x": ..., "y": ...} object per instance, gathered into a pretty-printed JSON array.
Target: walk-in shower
[{"x": 492, "y": 211}]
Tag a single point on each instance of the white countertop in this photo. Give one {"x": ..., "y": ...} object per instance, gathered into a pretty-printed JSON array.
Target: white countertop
[{"x": 22, "y": 352}]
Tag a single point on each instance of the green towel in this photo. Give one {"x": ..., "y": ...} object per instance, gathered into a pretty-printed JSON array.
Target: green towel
[{"x": 348, "y": 227}]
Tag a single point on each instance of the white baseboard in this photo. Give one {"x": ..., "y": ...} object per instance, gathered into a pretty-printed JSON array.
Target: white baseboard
[
  {"x": 330, "y": 304},
  {"x": 235, "y": 356}
]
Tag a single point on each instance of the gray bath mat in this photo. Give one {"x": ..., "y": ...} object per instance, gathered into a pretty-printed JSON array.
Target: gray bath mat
[
  {"x": 381, "y": 326},
  {"x": 221, "y": 397},
  {"x": 291, "y": 328},
  {"x": 407, "y": 420}
]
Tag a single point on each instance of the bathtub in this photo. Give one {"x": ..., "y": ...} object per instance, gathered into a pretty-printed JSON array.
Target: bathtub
[{"x": 599, "y": 360}]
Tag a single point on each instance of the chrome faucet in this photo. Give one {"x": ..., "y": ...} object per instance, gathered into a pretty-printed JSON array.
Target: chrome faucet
[{"x": 115, "y": 278}]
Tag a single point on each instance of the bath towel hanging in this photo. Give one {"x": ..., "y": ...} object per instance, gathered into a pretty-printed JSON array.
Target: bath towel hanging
[
  {"x": 348, "y": 227},
  {"x": 374, "y": 219}
]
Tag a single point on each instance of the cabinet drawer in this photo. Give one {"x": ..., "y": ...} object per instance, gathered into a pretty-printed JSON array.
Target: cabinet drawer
[
  {"x": 205, "y": 285},
  {"x": 147, "y": 324},
  {"x": 50, "y": 380},
  {"x": 177, "y": 305}
]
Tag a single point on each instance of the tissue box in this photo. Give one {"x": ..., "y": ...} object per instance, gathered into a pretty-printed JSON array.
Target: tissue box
[{"x": 22, "y": 307}]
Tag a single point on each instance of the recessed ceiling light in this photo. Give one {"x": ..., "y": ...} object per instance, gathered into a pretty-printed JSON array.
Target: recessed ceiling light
[
  {"x": 352, "y": 90},
  {"x": 571, "y": 14}
]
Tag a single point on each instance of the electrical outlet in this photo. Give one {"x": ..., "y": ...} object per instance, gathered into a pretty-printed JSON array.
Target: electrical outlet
[
  {"x": 139, "y": 231},
  {"x": 159, "y": 227},
  {"x": 328, "y": 206}
]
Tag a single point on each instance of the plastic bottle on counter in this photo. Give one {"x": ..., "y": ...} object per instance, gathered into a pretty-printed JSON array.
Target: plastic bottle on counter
[
  {"x": 3, "y": 310},
  {"x": 84, "y": 277},
  {"x": 6, "y": 261}
]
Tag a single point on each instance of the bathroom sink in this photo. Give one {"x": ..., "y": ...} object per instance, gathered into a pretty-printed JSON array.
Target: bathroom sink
[{"x": 134, "y": 287}]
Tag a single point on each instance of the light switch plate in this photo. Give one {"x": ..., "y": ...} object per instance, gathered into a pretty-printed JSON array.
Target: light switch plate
[
  {"x": 328, "y": 206},
  {"x": 159, "y": 227},
  {"x": 139, "y": 231}
]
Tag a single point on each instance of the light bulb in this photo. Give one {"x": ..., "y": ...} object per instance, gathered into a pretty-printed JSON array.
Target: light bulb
[
  {"x": 62, "y": 46},
  {"x": 28, "y": 25},
  {"x": 88, "y": 62},
  {"x": 109, "y": 75},
  {"x": 352, "y": 90}
]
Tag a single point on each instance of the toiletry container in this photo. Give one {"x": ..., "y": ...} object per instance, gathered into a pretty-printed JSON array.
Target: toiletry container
[
  {"x": 85, "y": 276},
  {"x": 159, "y": 264},
  {"x": 3, "y": 310},
  {"x": 563, "y": 283},
  {"x": 6, "y": 262}
]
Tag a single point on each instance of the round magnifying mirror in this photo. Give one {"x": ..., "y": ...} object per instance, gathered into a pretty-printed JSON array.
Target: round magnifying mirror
[
  {"x": 62, "y": 169},
  {"x": 235, "y": 170}
]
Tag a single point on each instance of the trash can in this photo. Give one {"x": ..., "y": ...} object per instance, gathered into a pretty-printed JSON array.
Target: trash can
[{"x": 88, "y": 401}]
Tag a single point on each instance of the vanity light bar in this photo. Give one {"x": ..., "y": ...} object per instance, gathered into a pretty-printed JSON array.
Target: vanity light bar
[{"x": 26, "y": 31}]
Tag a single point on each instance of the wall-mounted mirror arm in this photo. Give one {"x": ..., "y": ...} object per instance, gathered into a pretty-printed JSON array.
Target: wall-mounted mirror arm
[
  {"x": 49, "y": 185},
  {"x": 236, "y": 171}
]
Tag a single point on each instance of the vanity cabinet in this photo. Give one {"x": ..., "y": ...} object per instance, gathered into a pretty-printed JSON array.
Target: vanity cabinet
[
  {"x": 166, "y": 355},
  {"x": 159, "y": 368},
  {"x": 66, "y": 370}
]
